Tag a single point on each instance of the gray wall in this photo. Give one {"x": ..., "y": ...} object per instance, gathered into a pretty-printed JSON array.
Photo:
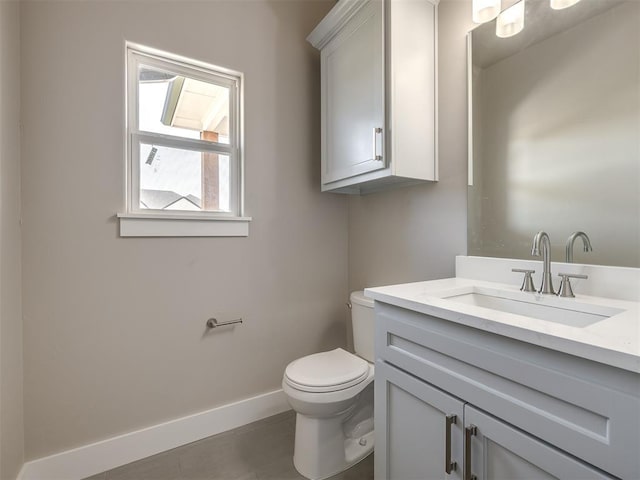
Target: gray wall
[
  {"x": 414, "y": 233},
  {"x": 559, "y": 145},
  {"x": 114, "y": 327},
  {"x": 11, "y": 400}
]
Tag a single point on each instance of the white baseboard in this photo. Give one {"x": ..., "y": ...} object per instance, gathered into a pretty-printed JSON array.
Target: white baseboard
[{"x": 97, "y": 457}]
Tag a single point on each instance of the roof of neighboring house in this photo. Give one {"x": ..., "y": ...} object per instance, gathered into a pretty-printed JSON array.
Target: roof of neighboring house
[{"x": 165, "y": 199}]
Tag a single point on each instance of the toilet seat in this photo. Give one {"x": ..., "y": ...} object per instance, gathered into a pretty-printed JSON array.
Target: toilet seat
[{"x": 326, "y": 371}]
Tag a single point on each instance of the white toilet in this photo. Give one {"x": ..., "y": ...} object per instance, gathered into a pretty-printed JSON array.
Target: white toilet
[{"x": 332, "y": 394}]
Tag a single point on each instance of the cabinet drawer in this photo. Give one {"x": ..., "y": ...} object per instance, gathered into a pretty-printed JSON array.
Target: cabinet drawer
[{"x": 587, "y": 409}]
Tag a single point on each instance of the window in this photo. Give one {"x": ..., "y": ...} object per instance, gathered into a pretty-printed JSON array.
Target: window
[{"x": 184, "y": 139}]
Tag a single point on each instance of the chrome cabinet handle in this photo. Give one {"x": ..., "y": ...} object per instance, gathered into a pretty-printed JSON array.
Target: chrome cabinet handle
[
  {"x": 376, "y": 131},
  {"x": 469, "y": 432},
  {"x": 449, "y": 466}
]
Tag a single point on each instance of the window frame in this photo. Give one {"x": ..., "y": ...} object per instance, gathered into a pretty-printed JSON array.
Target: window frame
[{"x": 176, "y": 222}]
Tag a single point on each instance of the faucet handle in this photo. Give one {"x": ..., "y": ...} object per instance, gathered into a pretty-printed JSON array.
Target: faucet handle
[
  {"x": 565, "y": 284},
  {"x": 527, "y": 283}
]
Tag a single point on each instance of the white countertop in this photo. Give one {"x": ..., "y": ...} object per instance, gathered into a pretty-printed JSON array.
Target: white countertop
[{"x": 613, "y": 341}]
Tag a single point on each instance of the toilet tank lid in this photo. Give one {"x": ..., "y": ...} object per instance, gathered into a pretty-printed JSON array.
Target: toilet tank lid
[{"x": 359, "y": 298}]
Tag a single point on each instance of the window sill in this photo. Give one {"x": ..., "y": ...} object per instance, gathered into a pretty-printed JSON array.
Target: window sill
[{"x": 154, "y": 225}]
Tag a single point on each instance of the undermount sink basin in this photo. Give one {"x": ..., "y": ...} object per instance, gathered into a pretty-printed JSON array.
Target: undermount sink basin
[{"x": 566, "y": 311}]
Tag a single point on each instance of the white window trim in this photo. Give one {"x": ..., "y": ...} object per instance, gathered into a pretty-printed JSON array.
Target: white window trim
[
  {"x": 154, "y": 225},
  {"x": 137, "y": 222}
]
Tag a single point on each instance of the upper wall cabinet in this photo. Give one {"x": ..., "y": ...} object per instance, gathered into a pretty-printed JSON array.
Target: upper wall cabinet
[{"x": 379, "y": 94}]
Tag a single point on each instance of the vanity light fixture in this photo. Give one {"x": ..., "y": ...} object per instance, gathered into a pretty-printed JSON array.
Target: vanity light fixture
[
  {"x": 560, "y": 4},
  {"x": 511, "y": 21},
  {"x": 485, "y": 10}
]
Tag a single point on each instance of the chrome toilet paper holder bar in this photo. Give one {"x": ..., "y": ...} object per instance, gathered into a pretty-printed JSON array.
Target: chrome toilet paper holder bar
[{"x": 214, "y": 323}]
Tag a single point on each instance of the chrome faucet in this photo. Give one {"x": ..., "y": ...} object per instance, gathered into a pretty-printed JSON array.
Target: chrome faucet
[
  {"x": 572, "y": 238},
  {"x": 541, "y": 241}
]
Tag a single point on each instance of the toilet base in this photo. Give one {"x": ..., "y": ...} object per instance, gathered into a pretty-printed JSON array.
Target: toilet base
[{"x": 322, "y": 449}]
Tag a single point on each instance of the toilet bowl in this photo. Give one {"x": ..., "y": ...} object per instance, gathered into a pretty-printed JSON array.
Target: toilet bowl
[{"x": 332, "y": 395}]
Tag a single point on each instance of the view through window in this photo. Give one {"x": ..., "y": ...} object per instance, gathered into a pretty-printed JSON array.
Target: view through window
[{"x": 184, "y": 138}]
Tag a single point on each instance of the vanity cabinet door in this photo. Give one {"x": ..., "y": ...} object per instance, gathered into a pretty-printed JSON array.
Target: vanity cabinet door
[
  {"x": 495, "y": 450},
  {"x": 353, "y": 126},
  {"x": 414, "y": 426}
]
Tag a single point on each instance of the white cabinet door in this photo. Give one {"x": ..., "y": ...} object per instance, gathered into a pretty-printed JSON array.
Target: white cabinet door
[
  {"x": 415, "y": 428},
  {"x": 353, "y": 115},
  {"x": 495, "y": 450}
]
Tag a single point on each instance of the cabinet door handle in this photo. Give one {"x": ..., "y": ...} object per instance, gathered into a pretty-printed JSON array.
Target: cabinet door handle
[
  {"x": 449, "y": 466},
  {"x": 469, "y": 432},
  {"x": 376, "y": 131}
]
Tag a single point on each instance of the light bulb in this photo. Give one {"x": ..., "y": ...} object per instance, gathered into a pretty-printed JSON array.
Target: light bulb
[
  {"x": 511, "y": 21},
  {"x": 560, "y": 4},
  {"x": 485, "y": 10}
]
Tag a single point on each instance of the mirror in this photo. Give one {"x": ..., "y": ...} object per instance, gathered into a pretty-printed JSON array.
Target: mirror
[{"x": 554, "y": 144}]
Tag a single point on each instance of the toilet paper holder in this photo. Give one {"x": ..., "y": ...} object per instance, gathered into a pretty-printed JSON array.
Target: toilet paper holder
[{"x": 214, "y": 323}]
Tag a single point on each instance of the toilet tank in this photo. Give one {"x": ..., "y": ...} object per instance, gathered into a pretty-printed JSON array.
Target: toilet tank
[{"x": 362, "y": 321}]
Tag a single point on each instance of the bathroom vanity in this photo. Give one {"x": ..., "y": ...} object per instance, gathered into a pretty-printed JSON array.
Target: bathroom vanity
[{"x": 475, "y": 379}]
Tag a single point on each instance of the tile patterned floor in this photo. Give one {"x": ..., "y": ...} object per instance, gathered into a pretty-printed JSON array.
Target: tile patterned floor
[{"x": 259, "y": 451}]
